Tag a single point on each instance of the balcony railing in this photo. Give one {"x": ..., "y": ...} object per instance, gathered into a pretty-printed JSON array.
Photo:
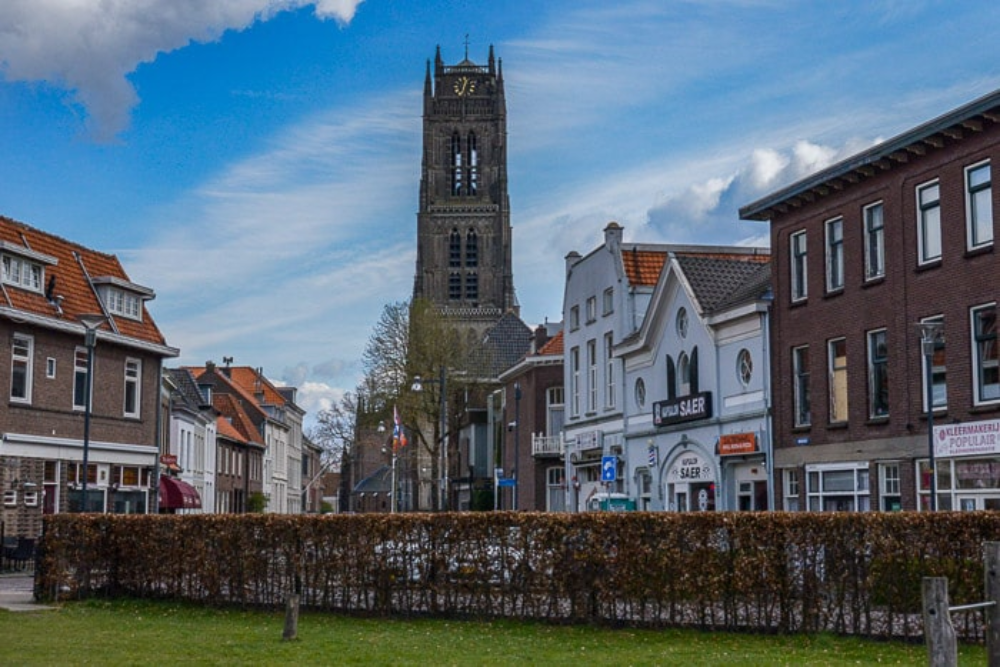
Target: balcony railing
[{"x": 547, "y": 445}]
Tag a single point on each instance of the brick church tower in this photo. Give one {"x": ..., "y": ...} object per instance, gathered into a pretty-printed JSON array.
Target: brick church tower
[{"x": 463, "y": 221}]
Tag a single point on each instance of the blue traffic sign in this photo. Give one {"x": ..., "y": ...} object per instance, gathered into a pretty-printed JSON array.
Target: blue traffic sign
[{"x": 609, "y": 468}]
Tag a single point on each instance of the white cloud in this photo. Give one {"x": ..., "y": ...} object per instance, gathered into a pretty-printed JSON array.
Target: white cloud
[{"x": 88, "y": 48}]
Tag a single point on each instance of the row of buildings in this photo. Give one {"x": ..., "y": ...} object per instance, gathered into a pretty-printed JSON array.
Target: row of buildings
[
  {"x": 94, "y": 419},
  {"x": 852, "y": 366}
]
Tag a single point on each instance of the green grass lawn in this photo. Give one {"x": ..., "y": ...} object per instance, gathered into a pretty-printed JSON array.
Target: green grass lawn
[{"x": 132, "y": 633}]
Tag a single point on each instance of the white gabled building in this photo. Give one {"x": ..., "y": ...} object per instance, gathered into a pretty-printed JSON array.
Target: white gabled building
[
  {"x": 696, "y": 385},
  {"x": 606, "y": 296}
]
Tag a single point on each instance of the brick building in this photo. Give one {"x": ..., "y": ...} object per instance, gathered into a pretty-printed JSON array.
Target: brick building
[
  {"x": 864, "y": 251},
  {"x": 49, "y": 286}
]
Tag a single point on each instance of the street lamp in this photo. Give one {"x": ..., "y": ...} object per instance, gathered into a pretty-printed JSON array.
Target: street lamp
[
  {"x": 931, "y": 332},
  {"x": 393, "y": 503},
  {"x": 517, "y": 441},
  {"x": 418, "y": 386},
  {"x": 90, "y": 326}
]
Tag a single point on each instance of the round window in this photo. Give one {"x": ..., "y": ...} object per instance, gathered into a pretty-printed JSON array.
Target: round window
[
  {"x": 744, "y": 367},
  {"x": 682, "y": 322},
  {"x": 640, "y": 393}
]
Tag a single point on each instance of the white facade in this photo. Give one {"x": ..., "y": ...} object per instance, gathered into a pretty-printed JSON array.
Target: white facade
[{"x": 697, "y": 390}]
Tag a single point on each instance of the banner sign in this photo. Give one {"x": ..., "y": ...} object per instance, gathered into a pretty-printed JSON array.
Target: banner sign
[{"x": 971, "y": 439}]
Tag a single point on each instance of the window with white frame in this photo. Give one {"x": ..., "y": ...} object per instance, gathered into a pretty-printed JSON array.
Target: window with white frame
[
  {"x": 554, "y": 411},
  {"x": 889, "y": 489},
  {"x": 21, "y": 353},
  {"x": 10, "y": 498},
  {"x": 574, "y": 318},
  {"x": 681, "y": 322},
  {"x": 791, "y": 494},
  {"x": 800, "y": 373},
  {"x": 574, "y": 388},
  {"x": 80, "y": 378},
  {"x": 837, "y": 368},
  {"x": 591, "y": 309},
  {"x": 939, "y": 371},
  {"x": 610, "y": 398},
  {"x": 979, "y": 205},
  {"x": 555, "y": 483},
  {"x": 874, "y": 241},
  {"x": 608, "y": 301},
  {"x": 121, "y": 302},
  {"x": 929, "y": 223},
  {"x": 50, "y": 368},
  {"x": 133, "y": 383},
  {"x": 799, "y": 266},
  {"x": 591, "y": 375},
  {"x": 834, "y": 254},
  {"x": 984, "y": 354},
  {"x": 878, "y": 374},
  {"x": 838, "y": 487},
  {"x": 22, "y": 273}
]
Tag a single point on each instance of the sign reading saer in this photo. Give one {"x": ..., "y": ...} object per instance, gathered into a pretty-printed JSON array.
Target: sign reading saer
[{"x": 971, "y": 439}]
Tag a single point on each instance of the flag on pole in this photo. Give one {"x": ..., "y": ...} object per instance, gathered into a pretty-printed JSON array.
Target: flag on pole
[{"x": 398, "y": 434}]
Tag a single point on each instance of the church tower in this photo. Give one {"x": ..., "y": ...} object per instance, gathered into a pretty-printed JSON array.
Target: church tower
[{"x": 463, "y": 221}]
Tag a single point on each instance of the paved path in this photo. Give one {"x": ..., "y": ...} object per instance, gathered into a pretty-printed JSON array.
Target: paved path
[{"x": 17, "y": 593}]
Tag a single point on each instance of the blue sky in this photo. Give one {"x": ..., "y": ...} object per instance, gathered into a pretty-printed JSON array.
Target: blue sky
[{"x": 257, "y": 162}]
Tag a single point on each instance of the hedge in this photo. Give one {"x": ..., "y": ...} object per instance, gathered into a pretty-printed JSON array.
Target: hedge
[{"x": 849, "y": 573}]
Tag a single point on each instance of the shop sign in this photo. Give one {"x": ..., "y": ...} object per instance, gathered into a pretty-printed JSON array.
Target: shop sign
[
  {"x": 735, "y": 444},
  {"x": 690, "y": 467},
  {"x": 680, "y": 410},
  {"x": 971, "y": 439}
]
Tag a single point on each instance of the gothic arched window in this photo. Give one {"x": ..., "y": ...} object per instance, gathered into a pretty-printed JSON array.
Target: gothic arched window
[
  {"x": 471, "y": 249},
  {"x": 456, "y": 164},
  {"x": 455, "y": 285},
  {"x": 455, "y": 248},
  {"x": 473, "y": 162}
]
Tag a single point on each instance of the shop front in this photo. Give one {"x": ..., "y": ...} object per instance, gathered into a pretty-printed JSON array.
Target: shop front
[
  {"x": 690, "y": 479},
  {"x": 967, "y": 466}
]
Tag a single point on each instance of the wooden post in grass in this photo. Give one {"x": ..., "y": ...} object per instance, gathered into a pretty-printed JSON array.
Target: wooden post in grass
[
  {"x": 939, "y": 633},
  {"x": 291, "y": 618}
]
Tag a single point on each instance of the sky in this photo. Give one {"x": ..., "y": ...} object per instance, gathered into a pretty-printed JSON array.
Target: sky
[{"x": 257, "y": 162}]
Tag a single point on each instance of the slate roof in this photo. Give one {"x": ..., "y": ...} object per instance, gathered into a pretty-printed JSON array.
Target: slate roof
[
  {"x": 504, "y": 345},
  {"x": 72, "y": 272},
  {"x": 186, "y": 386},
  {"x": 232, "y": 411},
  {"x": 716, "y": 279}
]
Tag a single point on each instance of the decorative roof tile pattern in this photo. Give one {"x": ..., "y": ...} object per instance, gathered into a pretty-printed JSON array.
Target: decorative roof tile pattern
[{"x": 68, "y": 290}]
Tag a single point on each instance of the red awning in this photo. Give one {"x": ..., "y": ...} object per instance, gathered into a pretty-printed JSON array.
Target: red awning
[{"x": 178, "y": 495}]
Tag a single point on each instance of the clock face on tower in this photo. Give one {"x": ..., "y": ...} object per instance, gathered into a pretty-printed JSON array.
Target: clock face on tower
[{"x": 464, "y": 86}]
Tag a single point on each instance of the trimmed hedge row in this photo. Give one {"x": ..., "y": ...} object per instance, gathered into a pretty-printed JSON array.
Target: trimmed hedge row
[{"x": 855, "y": 573}]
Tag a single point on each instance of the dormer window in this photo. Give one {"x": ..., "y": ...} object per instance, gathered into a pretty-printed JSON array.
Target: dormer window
[
  {"x": 122, "y": 297},
  {"x": 22, "y": 272}
]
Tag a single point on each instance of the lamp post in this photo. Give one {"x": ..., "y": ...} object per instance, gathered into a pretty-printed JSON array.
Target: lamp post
[
  {"x": 517, "y": 441},
  {"x": 418, "y": 385},
  {"x": 393, "y": 503},
  {"x": 930, "y": 334},
  {"x": 90, "y": 326}
]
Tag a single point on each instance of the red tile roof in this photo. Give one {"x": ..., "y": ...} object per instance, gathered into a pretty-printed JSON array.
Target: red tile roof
[
  {"x": 70, "y": 271},
  {"x": 642, "y": 267},
  {"x": 554, "y": 347},
  {"x": 253, "y": 381}
]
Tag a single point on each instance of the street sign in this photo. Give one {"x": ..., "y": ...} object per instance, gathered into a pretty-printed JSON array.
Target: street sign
[
  {"x": 609, "y": 468},
  {"x": 507, "y": 481}
]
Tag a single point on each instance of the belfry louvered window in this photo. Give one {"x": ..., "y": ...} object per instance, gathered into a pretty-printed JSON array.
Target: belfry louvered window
[
  {"x": 456, "y": 164},
  {"x": 471, "y": 249},
  {"x": 455, "y": 249},
  {"x": 473, "y": 162}
]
